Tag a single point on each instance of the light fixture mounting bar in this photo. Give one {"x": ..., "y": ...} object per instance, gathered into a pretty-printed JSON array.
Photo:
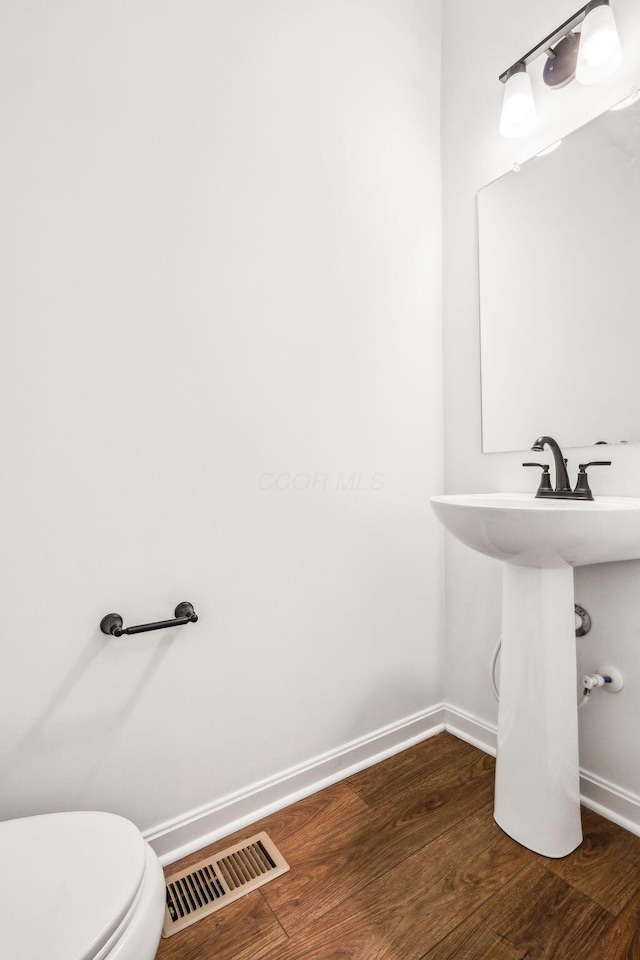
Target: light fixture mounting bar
[{"x": 549, "y": 41}]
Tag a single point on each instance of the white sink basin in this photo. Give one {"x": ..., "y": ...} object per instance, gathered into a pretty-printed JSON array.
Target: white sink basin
[
  {"x": 538, "y": 533},
  {"x": 537, "y": 798}
]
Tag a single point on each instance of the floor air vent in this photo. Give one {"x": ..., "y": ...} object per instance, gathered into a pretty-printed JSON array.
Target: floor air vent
[{"x": 214, "y": 882}]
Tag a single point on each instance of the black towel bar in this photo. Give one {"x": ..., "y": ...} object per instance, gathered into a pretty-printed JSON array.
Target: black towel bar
[{"x": 112, "y": 623}]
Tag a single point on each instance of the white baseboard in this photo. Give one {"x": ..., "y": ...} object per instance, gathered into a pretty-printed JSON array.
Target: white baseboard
[
  {"x": 606, "y": 798},
  {"x": 178, "y": 837},
  {"x": 183, "y": 835},
  {"x": 610, "y": 800},
  {"x": 467, "y": 727}
]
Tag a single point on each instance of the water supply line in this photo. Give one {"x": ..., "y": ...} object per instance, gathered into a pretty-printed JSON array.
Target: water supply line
[
  {"x": 586, "y": 691},
  {"x": 607, "y": 677}
]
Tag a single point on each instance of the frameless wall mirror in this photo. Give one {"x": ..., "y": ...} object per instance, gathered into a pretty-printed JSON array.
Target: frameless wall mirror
[{"x": 560, "y": 292}]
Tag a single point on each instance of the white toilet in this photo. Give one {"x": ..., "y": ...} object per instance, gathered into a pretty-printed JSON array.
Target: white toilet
[{"x": 78, "y": 886}]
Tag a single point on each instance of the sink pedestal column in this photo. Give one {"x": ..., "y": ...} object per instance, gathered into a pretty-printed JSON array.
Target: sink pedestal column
[{"x": 537, "y": 799}]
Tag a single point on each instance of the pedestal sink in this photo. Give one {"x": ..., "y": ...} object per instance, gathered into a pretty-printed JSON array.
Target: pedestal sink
[{"x": 537, "y": 796}]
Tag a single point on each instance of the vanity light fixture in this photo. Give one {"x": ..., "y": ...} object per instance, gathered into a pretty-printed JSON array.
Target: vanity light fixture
[{"x": 590, "y": 56}]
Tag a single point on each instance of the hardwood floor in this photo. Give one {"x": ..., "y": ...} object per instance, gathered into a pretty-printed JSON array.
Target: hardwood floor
[{"x": 403, "y": 861}]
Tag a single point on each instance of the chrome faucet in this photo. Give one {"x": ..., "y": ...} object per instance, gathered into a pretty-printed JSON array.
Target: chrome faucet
[{"x": 562, "y": 489}]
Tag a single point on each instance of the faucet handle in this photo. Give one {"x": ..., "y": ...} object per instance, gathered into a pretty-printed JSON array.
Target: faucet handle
[
  {"x": 582, "y": 490},
  {"x": 545, "y": 479}
]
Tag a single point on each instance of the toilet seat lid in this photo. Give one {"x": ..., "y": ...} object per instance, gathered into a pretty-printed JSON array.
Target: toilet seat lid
[{"x": 68, "y": 881}]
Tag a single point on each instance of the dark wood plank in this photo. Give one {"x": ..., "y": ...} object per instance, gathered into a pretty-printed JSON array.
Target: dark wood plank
[
  {"x": 475, "y": 943},
  {"x": 333, "y": 804},
  {"x": 547, "y": 916},
  {"x": 405, "y": 769},
  {"x": 245, "y": 930},
  {"x": 622, "y": 940},
  {"x": 606, "y": 867},
  {"x": 335, "y": 859},
  {"x": 403, "y": 913},
  {"x": 541, "y": 916},
  {"x": 404, "y": 862}
]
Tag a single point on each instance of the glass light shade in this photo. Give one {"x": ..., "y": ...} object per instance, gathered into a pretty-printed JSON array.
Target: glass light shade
[
  {"x": 600, "y": 53},
  {"x": 518, "y": 107}
]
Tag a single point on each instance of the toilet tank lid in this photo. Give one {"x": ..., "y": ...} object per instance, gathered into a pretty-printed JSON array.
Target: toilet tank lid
[{"x": 68, "y": 882}]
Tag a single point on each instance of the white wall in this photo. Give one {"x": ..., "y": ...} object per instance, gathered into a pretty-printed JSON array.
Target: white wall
[
  {"x": 220, "y": 242},
  {"x": 480, "y": 41}
]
